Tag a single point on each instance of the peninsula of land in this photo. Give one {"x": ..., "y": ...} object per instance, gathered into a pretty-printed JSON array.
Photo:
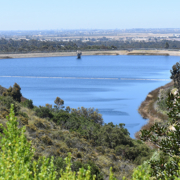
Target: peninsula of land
[
  {"x": 89, "y": 53},
  {"x": 150, "y": 110}
]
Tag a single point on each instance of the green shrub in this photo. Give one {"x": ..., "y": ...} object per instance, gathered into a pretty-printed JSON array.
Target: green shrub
[
  {"x": 23, "y": 114},
  {"x": 7, "y": 101},
  {"x": 43, "y": 112},
  {"x": 89, "y": 113},
  {"x": 28, "y": 103},
  {"x": 142, "y": 172},
  {"x": 166, "y": 138},
  {"x": 61, "y": 117},
  {"x": 94, "y": 169},
  {"x": 14, "y": 92},
  {"x": 2, "y": 89},
  {"x": 16, "y": 155}
]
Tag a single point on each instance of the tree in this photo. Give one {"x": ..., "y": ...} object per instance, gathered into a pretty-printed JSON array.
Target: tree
[
  {"x": 175, "y": 75},
  {"x": 59, "y": 103},
  {"x": 28, "y": 103},
  {"x": 167, "y": 139},
  {"x": 89, "y": 113},
  {"x": 111, "y": 135},
  {"x": 44, "y": 112},
  {"x": 14, "y": 92},
  {"x": 49, "y": 106},
  {"x": 167, "y": 45},
  {"x": 68, "y": 109}
]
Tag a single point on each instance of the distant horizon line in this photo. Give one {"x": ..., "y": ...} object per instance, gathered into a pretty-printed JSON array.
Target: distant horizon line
[{"x": 83, "y": 29}]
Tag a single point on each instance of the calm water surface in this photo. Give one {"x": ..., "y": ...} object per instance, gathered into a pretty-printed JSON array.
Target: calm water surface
[{"x": 116, "y": 85}]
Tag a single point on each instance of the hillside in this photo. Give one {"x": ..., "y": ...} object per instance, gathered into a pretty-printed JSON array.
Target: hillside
[
  {"x": 154, "y": 106},
  {"x": 56, "y": 130}
]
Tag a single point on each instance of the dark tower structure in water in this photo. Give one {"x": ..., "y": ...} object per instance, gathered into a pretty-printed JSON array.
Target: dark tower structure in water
[{"x": 79, "y": 53}]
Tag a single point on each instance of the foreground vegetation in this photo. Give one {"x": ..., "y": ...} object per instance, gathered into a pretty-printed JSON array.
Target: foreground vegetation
[
  {"x": 164, "y": 134},
  {"x": 54, "y": 131},
  {"x": 16, "y": 158},
  {"x": 165, "y": 163}
]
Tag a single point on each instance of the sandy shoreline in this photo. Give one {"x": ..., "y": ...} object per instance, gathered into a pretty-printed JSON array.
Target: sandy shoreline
[{"x": 88, "y": 53}]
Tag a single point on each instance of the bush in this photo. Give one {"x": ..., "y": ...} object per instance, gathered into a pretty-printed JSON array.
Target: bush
[
  {"x": 23, "y": 114},
  {"x": 89, "y": 113},
  {"x": 61, "y": 117},
  {"x": 43, "y": 112},
  {"x": 28, "y": 103},
  {"x": 175, "y": 75},
  {"x": 94, "y": 169},
  {"x": 7, "y": 101},
  {"x": 162, "y": 99},
  {"x": 2, "y": 89},
  {"x": 14, "y": 92},
  {"x": 142, "y": 172},
  {"x": 16, "y": 155}
]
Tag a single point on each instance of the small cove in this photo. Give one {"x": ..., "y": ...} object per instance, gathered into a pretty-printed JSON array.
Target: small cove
[{"x": 116, "y": 85}]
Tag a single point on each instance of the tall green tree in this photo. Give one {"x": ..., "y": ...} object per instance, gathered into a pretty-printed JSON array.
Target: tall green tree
[
  {"x": 167, "y": 45},
  {"x": 59, "y": 103},
  {"x": 14, "y": 92}
]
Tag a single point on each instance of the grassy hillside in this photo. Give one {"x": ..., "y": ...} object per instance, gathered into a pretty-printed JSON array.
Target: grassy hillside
[{"x": 56, "y": 130}]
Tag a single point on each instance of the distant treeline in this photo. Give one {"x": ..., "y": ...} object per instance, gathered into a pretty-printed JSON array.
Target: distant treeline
[{"x": 25, "y": 46}]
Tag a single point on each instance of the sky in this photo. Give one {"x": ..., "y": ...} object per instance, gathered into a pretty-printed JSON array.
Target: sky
[{"x": 88, "y": 14}]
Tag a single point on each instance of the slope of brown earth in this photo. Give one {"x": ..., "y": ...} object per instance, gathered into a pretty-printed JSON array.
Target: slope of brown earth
[{"x": 148, "y": 110}]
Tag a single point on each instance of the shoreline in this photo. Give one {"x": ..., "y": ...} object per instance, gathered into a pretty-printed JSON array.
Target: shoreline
[
  {"x": 148, "y": 111},
  {"x": 91, "y": 53}
]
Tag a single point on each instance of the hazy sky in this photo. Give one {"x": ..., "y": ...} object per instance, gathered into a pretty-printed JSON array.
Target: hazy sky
[{"x": 88, "y": 14}]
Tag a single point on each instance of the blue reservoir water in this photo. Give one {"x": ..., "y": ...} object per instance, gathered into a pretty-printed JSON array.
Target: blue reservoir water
[{"x": 116, "y": 85}]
